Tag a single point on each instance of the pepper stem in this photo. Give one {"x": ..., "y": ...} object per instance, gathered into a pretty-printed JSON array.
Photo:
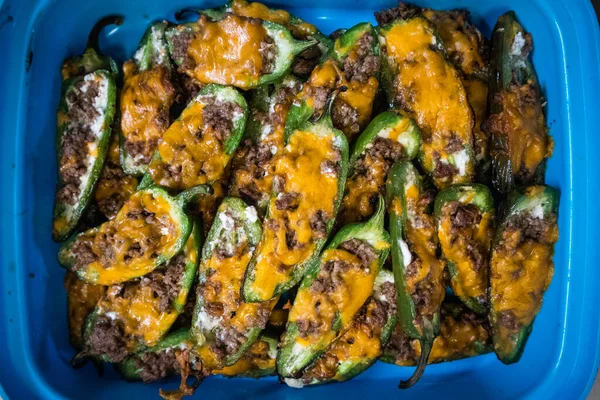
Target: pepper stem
[
  {"x": 329, "y": 104},
  {"x": 80, "y": 359},
  {"x": 378, "y": 218},
  {"x": 92, "y": 42},
  {"x": 192, "y": 194},
  {"x": 426, "y": 345}
]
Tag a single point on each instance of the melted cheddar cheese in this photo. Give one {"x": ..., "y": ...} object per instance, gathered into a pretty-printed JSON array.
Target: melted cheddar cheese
[
  {"x": 113, "y": 184},
  {"x": 146, "y": 98},
  {"x": 430, "y": 90},
  {"x": 469, "y": 281},
  {"x": 463, "y": 42},
  {"x": 521, "y": 124},
  {"x": 300, "y": 167},
  {"x": 422, "y": 240},
  {"x": 324, "y": 308},
  {"x": 82, "y": 299},
  {"x": 190, "y": 153},
  {"x": 226, "y": 52},
  {"x": 120, "y": 234},
  {"x": 359, "y": 96},
  {"x": 207, "y": 205},
  {"x": 477, "y": 93},
  {"x": 300, "y": 30},
  {"x": 521, "y": 270}
]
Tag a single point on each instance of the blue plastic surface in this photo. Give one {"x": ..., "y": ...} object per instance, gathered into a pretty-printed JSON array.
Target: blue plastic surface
[{"x": 561, "y": 358}]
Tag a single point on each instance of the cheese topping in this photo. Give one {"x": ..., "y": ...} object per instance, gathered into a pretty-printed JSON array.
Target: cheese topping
[
  {"x": 300, "y": 167},
  {"x": 82, "y": 299},
  {"x": 226, "y": 52},
  {"x": 430, "y": 89}
]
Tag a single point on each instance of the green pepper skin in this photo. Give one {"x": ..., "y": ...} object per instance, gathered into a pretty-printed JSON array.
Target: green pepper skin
[
  {"x": 537, "y": 202},
  {"x": 178, "y": 340},
  {"x": 344, "y": 43},
  {"x": 206, "y": 328},
  {"x": 92, "y": 58},
  {"x": 349, "y": 368},
  {"x": 252, "y": 369},
  {"x": 152, "y": 52},
  {"x": 481, "y": 197},
  {"x": 67, "y": 259},
  {"x": 380, "y": 126},
  {"x": 287, "y": 47},
  {"x": 511, "y": 68},
  {"x": 401, "y": 177},
  {"x": 66, "y": 217},
  {"x": 291, "y": 358},
  {"x": 323, "y": 127}
]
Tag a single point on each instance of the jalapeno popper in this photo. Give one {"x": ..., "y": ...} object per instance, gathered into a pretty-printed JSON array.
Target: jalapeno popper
[
  {"x": 234, "y": 50},
  {"x": 521, "y": 268},
  {"x": 305, "y": 61},
  {"x": 465, "y": 224},
  {"x": 418, "y": 273},
  {"x": 361, "y": 345},
  {"x": 353, "y": 64},
  {"x": 252, "y": 176},
  {"x": 419, "y": 79},
  {"x": 82, "y": 298},
  {"x": 333, "y": 291},
  {"x": 84, "y": 125},
  {"x": 519, "y": 137},
  {"x": 389, "y": 137},
  {"x": 139, "y": 313},
  {"x": 223, "y": 325},
  {"x": 308, "y": 185},
  {"x": 463, "y": 334},
  {"x": 146, "y": 98},
  {"x": 148, "y": 231},
  {"x": 114, "y": 185},
  {"x": 198, "y": 146}
]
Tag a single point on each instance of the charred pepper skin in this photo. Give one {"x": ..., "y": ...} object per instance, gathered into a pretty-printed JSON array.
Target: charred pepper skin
[
  {"x": 90, "y": 67},
  {"x": 519, "y": 140},
  {"x": 469, "y": 280},
  {"x": 404, "y": 188},
  {"x": 287, "y": 48},
  {"x": 521, "y": 268},
  {"x": 293, "y": 357}
]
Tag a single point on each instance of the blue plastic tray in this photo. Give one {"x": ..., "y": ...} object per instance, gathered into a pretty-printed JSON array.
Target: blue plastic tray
[{"x": 561, "y": 358}]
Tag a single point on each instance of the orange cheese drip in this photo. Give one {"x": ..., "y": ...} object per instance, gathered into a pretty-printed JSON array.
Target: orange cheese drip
[
  {"x": 126, "y": 232},
  {"x": 82, "y": 299},
  {"x": 300, "y": 165},
  {"x": 146, "y": 98},
  {"x": 199, "y": 159},
  {"x": 431, "y": 91},
  {"x": 113, "y": 182},
  {"x": 226, "y": 52},
  {"x": 323, "y": 308},
  {"x": 469, "y": 282}
]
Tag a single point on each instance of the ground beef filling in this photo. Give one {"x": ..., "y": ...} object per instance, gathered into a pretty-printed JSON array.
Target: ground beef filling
[
  {"x": 404, "y": 11},
  {"x": 345, "y": 118},
  {"x": 400, "y": 347},
  {"x": 108, "y": 339},
  {"x": 113, "y": 173},
  {"x": 77, "y": 136},
  {"x": 268, "y": 52},
  {"x": 229, "y": 340},
  {"x": 218, "y": 117},
  {"x": 154, "y": 366},
  {"x": 166, "y": 284},
  {"x": 466, "y": 216},
  {"x": 361, "y": 249},
  {"x": 306, "y": 61},
  {"x": 533, "y": 228},
  {"x": 364, "y": 64}
]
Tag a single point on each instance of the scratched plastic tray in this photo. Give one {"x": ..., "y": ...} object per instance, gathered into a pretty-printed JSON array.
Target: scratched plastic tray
[{"x": 561, "y": 357}]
